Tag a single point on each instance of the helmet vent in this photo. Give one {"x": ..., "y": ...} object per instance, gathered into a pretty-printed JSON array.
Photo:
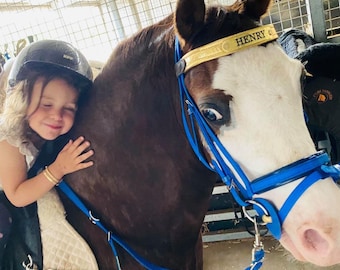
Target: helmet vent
[{"x": 68, "y": 57}]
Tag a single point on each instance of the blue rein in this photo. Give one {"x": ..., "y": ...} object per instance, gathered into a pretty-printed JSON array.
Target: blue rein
[{"x": 111, "y": 237}]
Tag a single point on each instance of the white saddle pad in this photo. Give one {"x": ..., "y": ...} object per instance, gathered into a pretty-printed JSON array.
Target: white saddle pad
[{"x": 63, "y": 247}]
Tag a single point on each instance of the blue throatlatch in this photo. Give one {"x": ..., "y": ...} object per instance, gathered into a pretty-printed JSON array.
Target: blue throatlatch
[{"x": 312, "y": 169}]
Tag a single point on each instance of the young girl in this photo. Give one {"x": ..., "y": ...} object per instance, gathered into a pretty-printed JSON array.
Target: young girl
[{"x": 47, "y": 81}]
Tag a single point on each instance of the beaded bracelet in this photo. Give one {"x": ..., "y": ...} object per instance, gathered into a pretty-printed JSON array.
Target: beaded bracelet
[{"x": 50, "y": 177}]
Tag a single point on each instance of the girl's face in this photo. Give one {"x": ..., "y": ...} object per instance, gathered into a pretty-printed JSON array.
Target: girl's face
[{"x": 52, "y": 108}]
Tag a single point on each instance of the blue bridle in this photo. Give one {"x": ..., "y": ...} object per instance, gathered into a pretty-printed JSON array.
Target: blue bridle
[{"x": 243, "y": 190}]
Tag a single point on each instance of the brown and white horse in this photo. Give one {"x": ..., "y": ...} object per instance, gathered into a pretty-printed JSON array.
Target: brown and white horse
[{"x": 147, "y": 185}]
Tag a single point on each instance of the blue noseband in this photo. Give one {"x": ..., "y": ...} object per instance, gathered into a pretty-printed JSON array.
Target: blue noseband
[{"x": 243, "y": 190}]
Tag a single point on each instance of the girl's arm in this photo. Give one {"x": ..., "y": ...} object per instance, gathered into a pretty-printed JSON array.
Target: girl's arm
[{"x": 21, "y": 191}]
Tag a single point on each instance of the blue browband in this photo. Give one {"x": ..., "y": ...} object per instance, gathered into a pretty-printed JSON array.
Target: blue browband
[{"x": 243, "y": 190}]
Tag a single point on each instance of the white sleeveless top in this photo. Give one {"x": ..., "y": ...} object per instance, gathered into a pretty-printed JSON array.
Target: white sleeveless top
[{"x": 26, "y": 148}]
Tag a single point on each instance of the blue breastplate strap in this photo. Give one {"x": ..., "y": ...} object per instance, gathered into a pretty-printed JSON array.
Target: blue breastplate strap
[
  {"x": 111, "y": 237},
  {"x": 312, "y": 168}
]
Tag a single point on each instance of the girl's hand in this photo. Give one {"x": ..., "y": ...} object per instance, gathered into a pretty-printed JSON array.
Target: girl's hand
[{"x": 71, "y": 158}]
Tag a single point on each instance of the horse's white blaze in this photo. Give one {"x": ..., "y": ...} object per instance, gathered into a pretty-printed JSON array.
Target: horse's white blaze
[
  {"x": 266, "y": 108},
  {"x": 267, "y": 117}
]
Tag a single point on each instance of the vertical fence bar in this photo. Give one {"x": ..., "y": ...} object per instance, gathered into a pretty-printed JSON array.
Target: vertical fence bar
[{"x": 317, "y": 18}]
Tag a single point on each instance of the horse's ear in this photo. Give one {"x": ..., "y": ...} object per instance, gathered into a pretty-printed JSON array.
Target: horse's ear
[
  {"x": 189, "y": 17},
  {"x": 255, "y": 9}
]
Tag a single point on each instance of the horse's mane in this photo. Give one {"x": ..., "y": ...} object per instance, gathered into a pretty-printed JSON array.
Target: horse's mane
[
  {"x": 135, "y": 51},
  {"x": 152, "y": 34}
]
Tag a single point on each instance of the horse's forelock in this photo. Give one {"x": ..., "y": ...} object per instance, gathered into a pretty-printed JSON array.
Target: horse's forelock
[{"x": 219, "y": 22}]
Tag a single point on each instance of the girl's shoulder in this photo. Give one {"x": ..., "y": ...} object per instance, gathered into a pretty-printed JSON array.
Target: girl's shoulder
[
  {"x": 9, "y": 137},
  {"x": 9, "y": 151}
]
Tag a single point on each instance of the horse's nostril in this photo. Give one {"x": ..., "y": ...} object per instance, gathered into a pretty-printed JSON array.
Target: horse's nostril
[{"x": 315, "y": 241}]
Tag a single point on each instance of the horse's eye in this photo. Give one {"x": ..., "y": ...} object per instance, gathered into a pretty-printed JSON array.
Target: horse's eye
[{"x": 212, "y": 115}]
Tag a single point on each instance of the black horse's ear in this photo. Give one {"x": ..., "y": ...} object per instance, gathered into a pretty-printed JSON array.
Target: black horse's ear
[
  {"x": 255, "y": 9},
  {"x": 189, "y": 17}
]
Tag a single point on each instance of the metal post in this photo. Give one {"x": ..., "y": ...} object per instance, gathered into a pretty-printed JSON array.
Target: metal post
[
  {"x": 317, "y": 17},
  {"x": 134, "y": 10},
  {"x": 117, "y": 20}
]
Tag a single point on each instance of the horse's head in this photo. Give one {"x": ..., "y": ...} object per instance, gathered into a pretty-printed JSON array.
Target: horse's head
[{"x": 249, "y": 93}]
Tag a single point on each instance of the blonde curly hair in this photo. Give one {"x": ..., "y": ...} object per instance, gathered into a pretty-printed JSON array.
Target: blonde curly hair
[
  {"x": 5, "y": 70},
  {"x": 13, "y": 116}
]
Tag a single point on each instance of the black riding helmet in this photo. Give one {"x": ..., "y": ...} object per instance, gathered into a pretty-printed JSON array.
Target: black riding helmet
[{"x": 51, "y": 54}]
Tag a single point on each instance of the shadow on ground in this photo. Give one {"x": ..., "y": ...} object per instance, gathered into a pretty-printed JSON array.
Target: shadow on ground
[{"x": 236, "y": 254}]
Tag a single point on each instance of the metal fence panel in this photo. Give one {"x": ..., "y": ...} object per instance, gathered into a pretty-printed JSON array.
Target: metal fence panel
[{"x": 96, "y": 26}]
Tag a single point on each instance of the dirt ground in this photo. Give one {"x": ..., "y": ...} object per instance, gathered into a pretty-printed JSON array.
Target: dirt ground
[{"x": 236, "y": 254}]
